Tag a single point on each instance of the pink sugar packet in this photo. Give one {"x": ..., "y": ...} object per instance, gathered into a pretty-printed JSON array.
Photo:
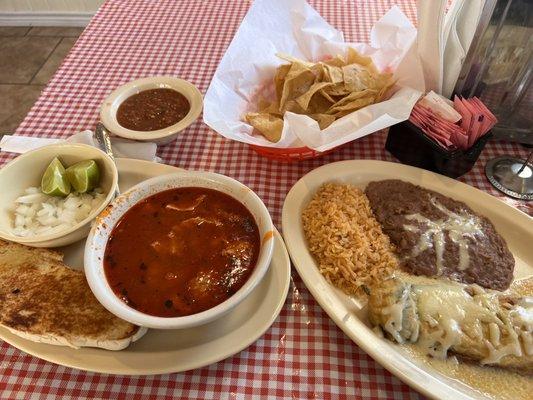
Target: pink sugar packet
[
  {"x": 441, "y": 106},
  {"x": 466, "y": 116},
  {"x": 441, "y": 139},
  {"x": 490, "y": 120},
  {"x": 476, "y": 120},
  {"x": 460, "y": 139}
]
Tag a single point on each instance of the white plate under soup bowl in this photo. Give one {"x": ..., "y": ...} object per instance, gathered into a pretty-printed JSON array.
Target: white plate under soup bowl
[{"x": 97, "y": 241}]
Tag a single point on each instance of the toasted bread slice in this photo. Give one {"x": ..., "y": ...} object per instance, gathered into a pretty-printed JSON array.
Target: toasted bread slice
[{"x": 43, "y": 300}]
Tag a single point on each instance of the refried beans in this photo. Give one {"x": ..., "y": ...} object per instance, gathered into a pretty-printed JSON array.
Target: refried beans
[{"x": 437, "y": 236}]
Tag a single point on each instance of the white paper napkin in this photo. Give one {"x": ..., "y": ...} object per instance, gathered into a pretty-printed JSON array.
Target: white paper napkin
[
  {"x": 295, "y": 28},
  {"x": 454, "y": 53},
  {"x": 121, "y": 147},
  {"x": 430, "y": 41},
  {"x": 460, "y": 25}
]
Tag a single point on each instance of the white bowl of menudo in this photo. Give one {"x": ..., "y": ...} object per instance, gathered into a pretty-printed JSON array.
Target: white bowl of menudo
[
  {"x": 179, "y": 250},
  {"x": 154, "y": 109}
]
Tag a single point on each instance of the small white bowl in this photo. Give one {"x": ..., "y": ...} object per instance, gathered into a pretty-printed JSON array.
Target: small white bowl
[
  {"x": 108, "y": 110},
  {"x": 97, "y": 241},
  {"x": 27, "y": 170}
]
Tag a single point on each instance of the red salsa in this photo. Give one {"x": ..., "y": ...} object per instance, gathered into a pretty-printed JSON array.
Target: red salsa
[
  {"x": 153, "y": 109},
  {"x": 181, "y": 251}
]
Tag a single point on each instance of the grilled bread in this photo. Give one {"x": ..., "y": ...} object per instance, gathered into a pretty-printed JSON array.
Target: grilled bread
[{"x": 43, "y": 300}]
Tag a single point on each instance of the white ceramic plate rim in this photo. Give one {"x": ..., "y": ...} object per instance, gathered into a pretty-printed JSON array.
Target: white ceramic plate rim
[
  {"x": 280, "y": 263},
  {"x": 328, "y": 297},
  {"x": 113, "y": 101}
]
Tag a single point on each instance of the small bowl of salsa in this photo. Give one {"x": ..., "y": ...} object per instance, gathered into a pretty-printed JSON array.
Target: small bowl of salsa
[
  {"x": 152, "y": 109},
  {"x": 179, "y": 250}
]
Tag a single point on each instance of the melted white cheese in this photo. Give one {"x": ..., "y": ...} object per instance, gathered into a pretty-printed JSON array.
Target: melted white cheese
[
  {"x": 496, "y": 354},
  {"x": 527, "y": 340},
  {"x": 494, "y": 332},
  {"x": 446, "y": 306},
  {"x": 395, "y": 311},
  {"x": 459, "y": 228},
  {"x": 449, "y": 316}
]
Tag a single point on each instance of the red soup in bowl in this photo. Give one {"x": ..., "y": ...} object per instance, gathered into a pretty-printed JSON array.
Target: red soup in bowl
[{"x": 181, "y": 251}]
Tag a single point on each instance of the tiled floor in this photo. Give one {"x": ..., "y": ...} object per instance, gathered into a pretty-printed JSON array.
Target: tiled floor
[{"x": 29, "y": 58}]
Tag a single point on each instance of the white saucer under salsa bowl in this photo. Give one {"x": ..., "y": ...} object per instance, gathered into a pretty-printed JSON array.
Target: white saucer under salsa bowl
[{"x": 110, "y": 106}]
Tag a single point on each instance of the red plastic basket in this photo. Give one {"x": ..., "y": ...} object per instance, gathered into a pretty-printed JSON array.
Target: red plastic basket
[{"x": 290, "y": 154}]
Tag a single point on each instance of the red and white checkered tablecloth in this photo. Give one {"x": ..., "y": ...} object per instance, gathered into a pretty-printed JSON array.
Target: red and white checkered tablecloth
[{"x": 130, "y": 39}]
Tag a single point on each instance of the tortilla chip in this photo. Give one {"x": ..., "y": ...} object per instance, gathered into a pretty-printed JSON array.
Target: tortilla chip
[
  {"x": 272, "y": 108},
  {"x": 279, "y": 78},
  {"x": 357, "y": 78},
  {"x": 268, "y": 125},
  {"x": 305, "y": 98},
  {"x": 327, "y": 96},
  {"x": 262, "y": 103},
  {"x": 325, "y": 91},
  {"x": 356, "y": 95},
  {"x": 353, "y": 57},
  {"x": 353, "y": 105},
  {"x": 293, "y": 60},
  {"x": 383, "y": 91},
  {"x": 294, "y": 107},
  {"x": 341, "y": 114},
  {"x": 324, "y": 120},
  {"x": 318, "y": 70},
  {"x": 383, "y": 79},
  {"x": 338, "y": 89},
  {"x": 297, "y": 83},
  {"x": 335, "y": 62},
  {"x": 318, "y": 104},
  {"x": 332, "y": 74}
]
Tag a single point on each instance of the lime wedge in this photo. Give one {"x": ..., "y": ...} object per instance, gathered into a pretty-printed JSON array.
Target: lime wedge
[
  {"x": 54, "y": 181},
  {"x": 84, "y": 176}
]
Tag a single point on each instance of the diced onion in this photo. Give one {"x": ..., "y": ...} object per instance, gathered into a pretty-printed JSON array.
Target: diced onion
[{"x": 39, "y": 214}]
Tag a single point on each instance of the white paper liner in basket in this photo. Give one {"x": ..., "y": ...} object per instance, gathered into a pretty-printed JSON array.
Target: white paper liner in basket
[{"x": 295, "y": 28}]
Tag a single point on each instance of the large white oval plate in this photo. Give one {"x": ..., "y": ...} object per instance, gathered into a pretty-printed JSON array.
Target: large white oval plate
[
  {"x": 516, "y": 227},
  {"x": 166, "y": 351}
]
